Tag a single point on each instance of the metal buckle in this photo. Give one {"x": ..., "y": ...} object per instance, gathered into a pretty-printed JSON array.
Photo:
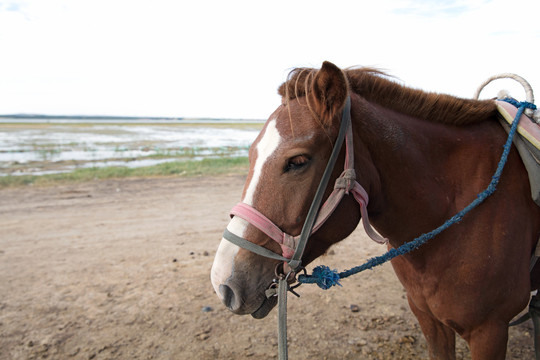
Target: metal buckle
[{"x": 290, "y": 278}]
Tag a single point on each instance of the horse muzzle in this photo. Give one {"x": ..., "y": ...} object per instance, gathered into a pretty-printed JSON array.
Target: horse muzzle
[{"x": 240, "y": 303}]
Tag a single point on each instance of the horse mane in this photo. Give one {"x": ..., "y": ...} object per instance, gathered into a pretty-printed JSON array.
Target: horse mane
[{"x": 376, "y": 86}]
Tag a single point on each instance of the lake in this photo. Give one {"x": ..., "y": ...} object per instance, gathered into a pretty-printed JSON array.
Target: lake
[{"x": 37, "y": 147}]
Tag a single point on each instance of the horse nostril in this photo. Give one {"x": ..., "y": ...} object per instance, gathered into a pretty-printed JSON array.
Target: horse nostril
[{"x": 228, "y": 295}]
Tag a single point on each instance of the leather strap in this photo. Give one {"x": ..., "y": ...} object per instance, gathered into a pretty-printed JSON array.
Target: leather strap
[
  {"x": 296, "y": 262},
  {"x": 248, "y": 245}
]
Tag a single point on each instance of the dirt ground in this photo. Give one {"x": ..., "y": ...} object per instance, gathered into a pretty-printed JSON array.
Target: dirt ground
[{"x": 119, "y": 269}]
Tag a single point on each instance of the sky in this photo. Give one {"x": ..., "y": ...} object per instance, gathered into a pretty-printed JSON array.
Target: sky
[{"x": 226, "y": 59}]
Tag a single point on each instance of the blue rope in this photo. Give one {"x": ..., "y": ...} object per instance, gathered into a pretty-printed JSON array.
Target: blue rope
[{"x": 325, "y": 277}]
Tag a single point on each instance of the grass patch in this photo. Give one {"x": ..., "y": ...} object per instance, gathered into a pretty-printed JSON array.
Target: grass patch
[{"x": 208, "y": 166}]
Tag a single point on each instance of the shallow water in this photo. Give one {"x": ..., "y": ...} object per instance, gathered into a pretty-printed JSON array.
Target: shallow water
[{"x": 39, "y": 148}]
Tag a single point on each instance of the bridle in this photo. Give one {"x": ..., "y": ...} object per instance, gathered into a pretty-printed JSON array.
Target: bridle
[{"x": 293, "y": 246}]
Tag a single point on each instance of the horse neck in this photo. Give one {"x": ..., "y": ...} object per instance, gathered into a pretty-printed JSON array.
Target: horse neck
[{"x": 404, "y": 164}]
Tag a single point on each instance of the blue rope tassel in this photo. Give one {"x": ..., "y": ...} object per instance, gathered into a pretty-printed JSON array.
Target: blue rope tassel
[{"x": 325, "y": 278}]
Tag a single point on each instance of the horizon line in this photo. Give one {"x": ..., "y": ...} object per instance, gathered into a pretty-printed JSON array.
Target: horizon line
[{"x": 119, "y": 117}]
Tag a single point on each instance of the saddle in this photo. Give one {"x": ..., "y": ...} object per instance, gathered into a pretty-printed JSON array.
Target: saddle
[{"x": 527, "y": 143}]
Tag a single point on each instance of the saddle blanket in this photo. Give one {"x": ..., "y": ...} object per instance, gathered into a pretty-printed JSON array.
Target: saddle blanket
[{"x": 527, "y": 143}]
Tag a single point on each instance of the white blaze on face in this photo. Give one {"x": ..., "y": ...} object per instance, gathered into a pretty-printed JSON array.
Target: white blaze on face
[{"x": 224, "y": 260}]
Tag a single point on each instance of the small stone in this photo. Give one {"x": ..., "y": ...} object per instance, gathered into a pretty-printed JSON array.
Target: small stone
[
  {"x": 203, "y": 337},
  {"x": 358, "y": 342},
  {"x": 331, "y": 252},
  {"x": 408, "y": 339},
  {"x": 174, "y": 260},
  {"x": 205, "y": 253},
  {"x": 207, "y": 309},
  {"x": 355, "y": 308},
  {"x": 191, "y": 253}
]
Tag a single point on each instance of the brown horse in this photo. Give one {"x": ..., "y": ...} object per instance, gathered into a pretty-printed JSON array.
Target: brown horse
[{"x": 421, "y": 157}]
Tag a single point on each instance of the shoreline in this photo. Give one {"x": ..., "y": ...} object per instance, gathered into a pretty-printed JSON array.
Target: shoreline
[{"x": 184, "y": 168}]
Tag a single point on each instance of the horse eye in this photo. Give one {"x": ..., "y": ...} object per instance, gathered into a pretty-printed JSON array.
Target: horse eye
[{"x": 296, "y": 162}]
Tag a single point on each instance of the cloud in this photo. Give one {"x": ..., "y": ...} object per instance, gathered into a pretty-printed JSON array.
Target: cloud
[
  {"x": 12, "y": 6},
  {"x": 14, "y": 11},
  {"x": 432, "y": 8}
]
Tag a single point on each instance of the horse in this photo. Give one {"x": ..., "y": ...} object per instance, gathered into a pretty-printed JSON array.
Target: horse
[{"x": 421, "y": 157}]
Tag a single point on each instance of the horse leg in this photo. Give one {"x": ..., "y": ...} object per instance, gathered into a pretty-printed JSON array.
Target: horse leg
[
  {"x": 440, "y": 338},
  {"x": 488, "y": 341}
]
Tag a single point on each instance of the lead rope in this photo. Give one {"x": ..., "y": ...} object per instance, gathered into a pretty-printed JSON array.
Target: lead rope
[
  {"x": 325, "y": 277},
  {"x": 283, "y": 288}
]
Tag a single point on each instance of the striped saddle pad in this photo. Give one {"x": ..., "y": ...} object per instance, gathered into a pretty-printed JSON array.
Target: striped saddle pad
[{"x": 527, "y": 143}]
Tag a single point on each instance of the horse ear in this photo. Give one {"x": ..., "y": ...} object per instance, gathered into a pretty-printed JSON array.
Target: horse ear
[{"x": 329, "y": 91}]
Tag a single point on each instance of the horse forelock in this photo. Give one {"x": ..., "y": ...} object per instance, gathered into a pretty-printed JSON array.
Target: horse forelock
[
  {"x": 297, "y": 86},
  {"x": 376, "y": 86}
]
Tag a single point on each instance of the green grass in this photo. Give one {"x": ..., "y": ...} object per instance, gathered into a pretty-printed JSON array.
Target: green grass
[{"x": 208, "y": 166}]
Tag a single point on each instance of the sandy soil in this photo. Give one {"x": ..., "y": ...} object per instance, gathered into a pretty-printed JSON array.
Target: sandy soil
[{"x": 119, "y": 269}]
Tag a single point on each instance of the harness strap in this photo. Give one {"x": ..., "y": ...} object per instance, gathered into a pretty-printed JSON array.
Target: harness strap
[
  {"x": 261, "y": 222},
  {"x": 358, "y": 192},
  {"x": 344, "y": 129},
  {"x": 248, "y": 245},
  {"x": 283, "y": 287}
]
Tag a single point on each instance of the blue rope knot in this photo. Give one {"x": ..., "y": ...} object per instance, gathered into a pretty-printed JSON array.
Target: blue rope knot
[
  {"x": 519, "y": 104},
  {"x": 323, "y": 276},
  {"x": 326, "y": 278}
]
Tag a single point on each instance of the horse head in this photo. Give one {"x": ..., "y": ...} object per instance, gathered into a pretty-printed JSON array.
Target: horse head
[{"x": 287, "y": 161}]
